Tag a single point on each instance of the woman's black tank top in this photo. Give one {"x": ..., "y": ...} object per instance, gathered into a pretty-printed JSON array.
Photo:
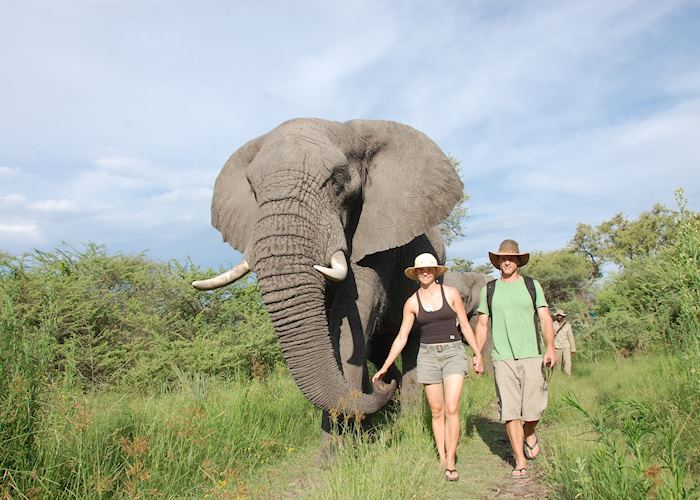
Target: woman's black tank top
[{"x": 439, "y": 326}]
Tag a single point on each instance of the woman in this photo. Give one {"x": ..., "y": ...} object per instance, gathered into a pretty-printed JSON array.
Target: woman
[{"x": 442, "y": 362}]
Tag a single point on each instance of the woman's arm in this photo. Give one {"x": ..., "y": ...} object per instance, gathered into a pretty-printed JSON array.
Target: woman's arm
[
  {"x": 399, "y": 343},
  {"x": 455, "y": 300}
]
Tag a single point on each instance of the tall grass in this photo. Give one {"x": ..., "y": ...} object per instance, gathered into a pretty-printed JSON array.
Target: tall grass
[
  {"x": 613, "y": 432},
  {"x": 206, "y": 438}
]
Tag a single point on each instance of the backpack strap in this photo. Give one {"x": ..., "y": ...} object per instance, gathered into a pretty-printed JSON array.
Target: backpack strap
[
  {"x": 530, "y": 284},
  {"x": 490, "y": 288}
]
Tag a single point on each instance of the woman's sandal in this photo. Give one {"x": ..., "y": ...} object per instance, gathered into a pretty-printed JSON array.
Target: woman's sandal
[
  {"x": 530, "y": 450},
  {"x": 520, "y": 473},
  {"x": 451, "y": 475}
]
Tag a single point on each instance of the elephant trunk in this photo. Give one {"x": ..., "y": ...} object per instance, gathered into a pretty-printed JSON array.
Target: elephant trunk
[{"x": 293, "y": 292}]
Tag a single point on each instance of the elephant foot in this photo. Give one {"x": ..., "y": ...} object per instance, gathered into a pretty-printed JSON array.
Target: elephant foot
[
  {"x": 411, "y": 391},
  {"x": 328, "y": 450}
]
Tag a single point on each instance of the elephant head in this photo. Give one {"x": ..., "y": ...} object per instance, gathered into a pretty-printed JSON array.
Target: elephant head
[{"x": 307, "y": 197}]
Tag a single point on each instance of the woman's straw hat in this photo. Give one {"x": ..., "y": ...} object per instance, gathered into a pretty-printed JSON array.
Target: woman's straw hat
[
  {"x": 560, "y": 313},
  {"x": 424, "y": 260},
  {"x": 509, "y": 247}
]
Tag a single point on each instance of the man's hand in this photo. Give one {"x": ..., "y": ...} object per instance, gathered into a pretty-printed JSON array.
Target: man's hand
[
  {"x": 550, "y": 358},
  {"x": 478, "y": 364}
]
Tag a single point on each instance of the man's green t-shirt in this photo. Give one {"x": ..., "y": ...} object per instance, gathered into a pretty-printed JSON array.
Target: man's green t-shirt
[{"x": 513, "y": 326}]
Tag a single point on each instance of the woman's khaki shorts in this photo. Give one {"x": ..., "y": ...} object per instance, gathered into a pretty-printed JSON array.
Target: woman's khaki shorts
[
  {"x": 437, "y": 361},
  {"x": 522, "y": 393}
]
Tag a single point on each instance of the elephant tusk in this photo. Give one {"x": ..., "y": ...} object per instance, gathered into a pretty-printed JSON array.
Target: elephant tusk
[
  {"x": 230, "y": 276},
  {"x": 338, "y": 270}
]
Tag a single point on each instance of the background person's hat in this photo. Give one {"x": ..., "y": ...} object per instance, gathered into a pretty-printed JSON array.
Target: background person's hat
[
  {"x": 509, "y": 247},
  {"x": 560, "y": 313},
  {"x": 424, "y": 260}
]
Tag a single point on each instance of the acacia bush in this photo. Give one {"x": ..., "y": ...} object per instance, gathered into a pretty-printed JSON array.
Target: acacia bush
[
  {"x": 125, "y": 319},
  {"x": 654, "y": 301}
]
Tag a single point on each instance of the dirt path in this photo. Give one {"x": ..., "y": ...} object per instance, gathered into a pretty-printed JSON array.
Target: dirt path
[{"x": 483, "y": 463}]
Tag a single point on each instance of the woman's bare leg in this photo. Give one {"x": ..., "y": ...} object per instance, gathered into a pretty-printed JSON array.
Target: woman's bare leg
[
  {"x": 453, "y": 391},
  {"x": 436, "y": 401}
]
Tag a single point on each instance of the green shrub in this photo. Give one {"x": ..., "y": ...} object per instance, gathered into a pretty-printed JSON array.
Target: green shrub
[
  {"x": 654, "y": 301},
  {"x": 126, "y": 320}
]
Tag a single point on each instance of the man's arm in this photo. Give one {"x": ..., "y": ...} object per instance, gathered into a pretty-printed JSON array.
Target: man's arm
[
  {"x": 482, "y": 327},
  {"x": 550, "y": 358}
]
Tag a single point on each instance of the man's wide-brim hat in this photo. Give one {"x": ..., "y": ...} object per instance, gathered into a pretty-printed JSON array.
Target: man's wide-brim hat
[
  {"x": 424, "y": 260},
  {"x": 510, "y": 248},
  {"x": 560, "y": 313}
]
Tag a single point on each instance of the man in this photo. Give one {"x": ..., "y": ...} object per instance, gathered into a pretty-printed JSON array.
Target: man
[
  {"x": 517, "y": 357},
  {"x": 564, "y": 343}
]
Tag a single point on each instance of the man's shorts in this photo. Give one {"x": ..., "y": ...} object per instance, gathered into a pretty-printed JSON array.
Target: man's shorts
[
  {"x": 437, "y": 361},
  {"x": 522, "y": 393}
]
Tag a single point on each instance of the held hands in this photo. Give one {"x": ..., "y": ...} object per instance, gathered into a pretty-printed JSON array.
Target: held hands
[{"x": 478, "y": 364}]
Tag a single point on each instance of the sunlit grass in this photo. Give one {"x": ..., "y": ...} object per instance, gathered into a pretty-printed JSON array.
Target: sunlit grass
[{"x": 182, "y": 444}]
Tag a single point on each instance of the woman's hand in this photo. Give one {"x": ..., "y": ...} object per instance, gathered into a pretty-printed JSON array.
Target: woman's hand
[
  {"x": 478, "y": 363},
  {"x": 380, "y": 373}
]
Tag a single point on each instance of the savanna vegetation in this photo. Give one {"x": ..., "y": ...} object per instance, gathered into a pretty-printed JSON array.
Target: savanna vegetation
[{"x": 117, "y": 379}]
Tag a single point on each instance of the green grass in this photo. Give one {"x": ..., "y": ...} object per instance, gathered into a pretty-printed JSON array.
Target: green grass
[
  {"x": 204, "y": 438},
  {"x": 209, "y": 438},
  {"x": 624, "y": 428}
]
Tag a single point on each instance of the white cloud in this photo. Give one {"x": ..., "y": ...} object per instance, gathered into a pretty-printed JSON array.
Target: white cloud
[
  {"x": 121, "y": 163},
  {"x": 12, "y": 200},
  {"x": 26, "y": 231},
  {"x": 54, "y": 206},
  {"x": 8, "y": 171},
  {"x": 184, "y": 195}
]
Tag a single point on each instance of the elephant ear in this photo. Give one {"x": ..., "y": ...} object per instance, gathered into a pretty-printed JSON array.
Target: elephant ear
[
  {"x": 234, "y": 210},
  {"x": 410, "y": 186}
]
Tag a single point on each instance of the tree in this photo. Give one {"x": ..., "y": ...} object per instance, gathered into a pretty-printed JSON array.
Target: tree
[
  {"x": 467, "y": 266},
  {"x": 451, "y": 228},
  {"x": 563, "y": 274},
  {"x": 461, "y": 265},
  {"x": 586, "y": 242},
  {"x": 620, "y": 240}
]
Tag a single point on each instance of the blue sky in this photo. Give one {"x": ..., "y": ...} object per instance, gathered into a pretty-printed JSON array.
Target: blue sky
[{"x": 116, "y": 115}]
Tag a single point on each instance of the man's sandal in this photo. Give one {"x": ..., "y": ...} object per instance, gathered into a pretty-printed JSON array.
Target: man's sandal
[
  {"x": 530, "y": 450},
  {"x": 520, "y": 473},
  {"x": 451, "y": 475}
]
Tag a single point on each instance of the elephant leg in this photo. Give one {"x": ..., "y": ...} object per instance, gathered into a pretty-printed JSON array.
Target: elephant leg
[
  {"x": 355, "y": 313},
  {"x": 352, "y": 319}
]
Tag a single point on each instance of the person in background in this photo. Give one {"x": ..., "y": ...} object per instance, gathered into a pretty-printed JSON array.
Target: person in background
[
  {"x": 442, "y": 363},
  {"x": 564, "y": 343},
  {"x": 517, "y": 357}
]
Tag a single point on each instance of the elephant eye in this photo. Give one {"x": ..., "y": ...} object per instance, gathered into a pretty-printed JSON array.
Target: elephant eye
[{"x": 339, "y": 178}]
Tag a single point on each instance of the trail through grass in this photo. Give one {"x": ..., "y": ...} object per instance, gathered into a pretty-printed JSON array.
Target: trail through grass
[
  {"x": 400, "y": 461},
  {"x": 260, "y": 440}
]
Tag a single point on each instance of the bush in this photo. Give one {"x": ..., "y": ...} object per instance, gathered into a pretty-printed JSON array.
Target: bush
[
  {"x": 116, "y": 319},
  {"x": 654, "y": 301}
]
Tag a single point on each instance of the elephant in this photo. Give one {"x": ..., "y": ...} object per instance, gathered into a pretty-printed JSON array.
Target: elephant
[
  {"x": 469, "y": 286},
  {"x": 327, "y": 215}
]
